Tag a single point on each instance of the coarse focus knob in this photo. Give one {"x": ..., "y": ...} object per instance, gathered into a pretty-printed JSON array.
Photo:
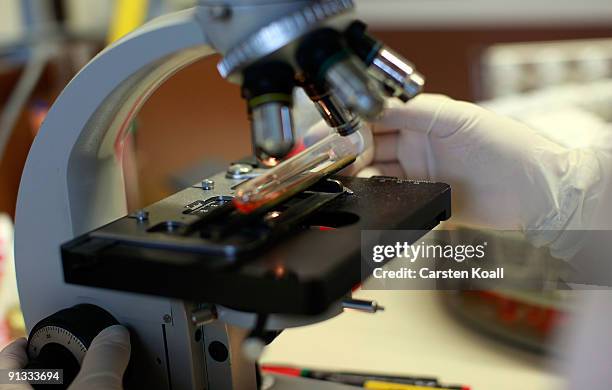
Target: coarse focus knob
[{"x": 61, "y": 340}]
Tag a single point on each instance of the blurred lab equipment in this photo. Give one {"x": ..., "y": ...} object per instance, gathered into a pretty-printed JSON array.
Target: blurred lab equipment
[{"x": 516, "y": 68}]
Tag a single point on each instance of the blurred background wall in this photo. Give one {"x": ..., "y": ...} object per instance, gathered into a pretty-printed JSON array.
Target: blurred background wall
[{"x": 197, "y": 119}]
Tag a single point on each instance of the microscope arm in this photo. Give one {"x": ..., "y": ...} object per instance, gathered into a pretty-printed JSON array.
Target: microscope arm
[{"x": 72, "y": 182}]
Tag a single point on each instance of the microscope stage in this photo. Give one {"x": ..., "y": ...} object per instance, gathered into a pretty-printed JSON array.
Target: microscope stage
[{"x": 297, "y": 257}]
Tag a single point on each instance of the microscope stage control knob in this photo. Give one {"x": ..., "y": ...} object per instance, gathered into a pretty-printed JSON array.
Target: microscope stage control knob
[{"x": 61, "y": 340}]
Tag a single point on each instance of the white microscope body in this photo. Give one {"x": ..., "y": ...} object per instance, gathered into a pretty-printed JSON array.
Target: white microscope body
[{"x": 73, "y": 182}]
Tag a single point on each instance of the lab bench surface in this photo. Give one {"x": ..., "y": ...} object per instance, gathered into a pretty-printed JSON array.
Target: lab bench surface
[{"x": 415, "y": 335}]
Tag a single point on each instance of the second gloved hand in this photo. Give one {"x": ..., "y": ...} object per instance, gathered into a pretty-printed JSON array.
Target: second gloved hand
[{"x": 503, "y": 174}]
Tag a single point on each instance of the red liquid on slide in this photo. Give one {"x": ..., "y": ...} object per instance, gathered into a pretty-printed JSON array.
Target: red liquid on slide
[{"x": 297, "y": 184}]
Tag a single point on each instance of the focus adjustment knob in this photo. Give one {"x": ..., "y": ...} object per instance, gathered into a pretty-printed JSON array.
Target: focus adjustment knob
[{"x": 61, "y": 340}]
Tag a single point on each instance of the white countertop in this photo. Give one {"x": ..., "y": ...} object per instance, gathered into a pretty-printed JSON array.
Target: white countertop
[{"x": 415, "y": 335}]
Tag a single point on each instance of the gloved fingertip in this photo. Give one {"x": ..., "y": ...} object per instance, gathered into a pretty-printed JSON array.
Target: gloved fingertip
[
  {"x": 115, "y": 333},
  {"x": 114, "y": 340},
  {"x": 106, "y": 360},
  {"x": 14, "y": 355},
  {"x": 21, "y": 341},
  {"x": 415, "y": 114}
]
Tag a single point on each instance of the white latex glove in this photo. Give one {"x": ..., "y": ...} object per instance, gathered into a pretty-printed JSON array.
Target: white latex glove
[
  {"x": 503, "y": 174},
  {"x": 102, "y": 368},
  {"x": 14, "y": 357},
  {"x": 320, "y": 130}
]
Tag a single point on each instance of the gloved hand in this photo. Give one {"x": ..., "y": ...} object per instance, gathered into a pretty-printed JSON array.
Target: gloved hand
[
  {"x": 102, "y": 368},
  {"x": 503, "y": 174}
]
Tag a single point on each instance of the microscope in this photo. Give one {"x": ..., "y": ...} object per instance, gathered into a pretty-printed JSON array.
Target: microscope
[{"x": 205, "y": 278}]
